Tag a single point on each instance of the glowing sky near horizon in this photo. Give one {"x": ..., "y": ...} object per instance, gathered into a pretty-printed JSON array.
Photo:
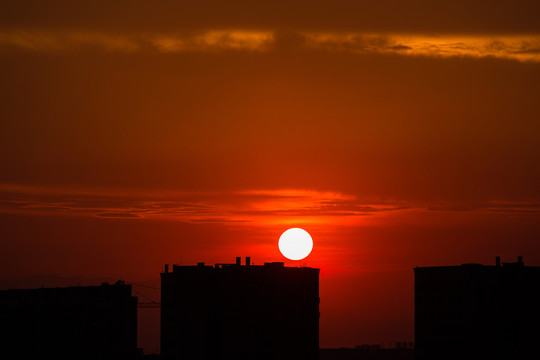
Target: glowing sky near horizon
[{"x": 134, "y": 134}]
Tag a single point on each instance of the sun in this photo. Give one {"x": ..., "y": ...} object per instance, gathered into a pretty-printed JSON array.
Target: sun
[{"x": 295, "y": 244}]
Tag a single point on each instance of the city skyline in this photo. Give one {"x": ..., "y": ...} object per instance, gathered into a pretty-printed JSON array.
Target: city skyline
[{"x": 136, "y": 134}]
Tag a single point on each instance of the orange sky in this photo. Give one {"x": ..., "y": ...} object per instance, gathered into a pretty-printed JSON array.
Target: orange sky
[{"x": 139, "y": 133}]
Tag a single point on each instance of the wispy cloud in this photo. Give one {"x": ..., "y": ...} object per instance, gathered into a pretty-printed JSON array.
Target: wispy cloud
[
  {"x": 38, "y": 40},
  {"x": 255, "y": 207},
  {"x": 213, "y": 40},
  {"x": 46, "y": 41},
  {"x": 516, "y": 47},
  {"x": 517, "y": 208}
]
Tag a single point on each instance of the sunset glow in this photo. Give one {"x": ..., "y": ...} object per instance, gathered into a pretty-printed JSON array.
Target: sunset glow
[{"x": 398, "y": 134}]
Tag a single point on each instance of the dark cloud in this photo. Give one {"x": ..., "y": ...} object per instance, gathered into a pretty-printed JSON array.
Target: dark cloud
[
  {"x": 400, "y": 47},
  {"x": 529, "y": 51},
  {"x": 117, "y": 215}
]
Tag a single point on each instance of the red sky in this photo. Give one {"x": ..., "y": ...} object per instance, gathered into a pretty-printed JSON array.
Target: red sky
[{"x": 136, "y": 134}]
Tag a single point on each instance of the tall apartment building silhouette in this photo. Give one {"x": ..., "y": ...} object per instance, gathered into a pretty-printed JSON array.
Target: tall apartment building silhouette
[
  {"x": 77, "y": 322},
  {"x": 234, "y": 311},
  {"x": 475, "y": 311}
]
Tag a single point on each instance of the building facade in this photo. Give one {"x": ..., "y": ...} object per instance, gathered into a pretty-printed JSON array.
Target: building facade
[
  {"x": 235, "y": 311},
  {"x": 475, "y": 311},
  {"x": 399, "y": 351},
  {"x": 78, "y": 322}
]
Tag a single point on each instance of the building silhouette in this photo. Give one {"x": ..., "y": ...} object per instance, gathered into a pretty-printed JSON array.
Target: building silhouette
[
  {"x": 234, "y": 311},
  {"x": 475, "y": 311},
  {"x": 78, "y": 322},
  {"x": 397, "y": 351}
]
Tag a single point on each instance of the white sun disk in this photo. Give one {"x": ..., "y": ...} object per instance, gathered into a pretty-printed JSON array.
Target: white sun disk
[{"x": 295, "y": 244}]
